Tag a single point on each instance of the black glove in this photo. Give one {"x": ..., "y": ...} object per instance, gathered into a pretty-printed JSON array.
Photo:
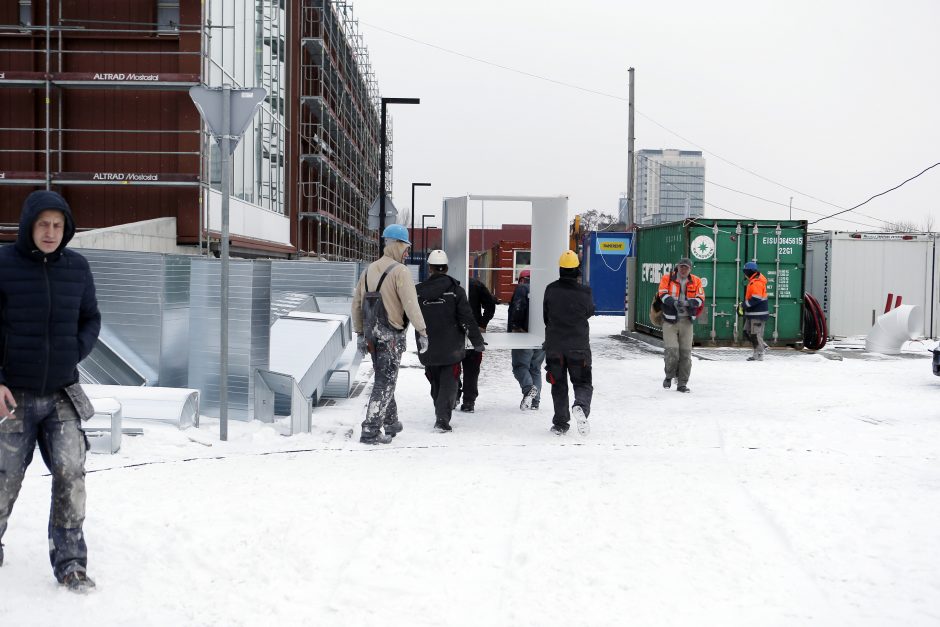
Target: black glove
[
  {"x": 480, "y": 348},
  {"x": 362, "y": 344}
]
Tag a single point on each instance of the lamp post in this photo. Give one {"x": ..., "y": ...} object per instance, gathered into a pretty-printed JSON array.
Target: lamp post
[
  {"x": 386, "y": 101},
  {"x": 424, "y": 236},
  {"x": 413, "y": 185}
]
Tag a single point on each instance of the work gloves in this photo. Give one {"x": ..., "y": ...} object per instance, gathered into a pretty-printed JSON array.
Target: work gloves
[
  {"x": 422, "y": 344},
  {"x": 740, "y": 309},
  {"x": 362, "y": 344}
]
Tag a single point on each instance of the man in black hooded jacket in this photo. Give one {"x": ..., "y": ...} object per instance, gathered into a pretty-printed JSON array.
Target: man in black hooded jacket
[
  {"x": 449, "y": 321},
  {"x": 49, "y": 321},
  {"x": 566, "y": 307},
  {"x": 483, "y": 305}
]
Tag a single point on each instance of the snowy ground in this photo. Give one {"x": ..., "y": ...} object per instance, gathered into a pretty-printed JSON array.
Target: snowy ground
[{"x": 801, "y": 490}]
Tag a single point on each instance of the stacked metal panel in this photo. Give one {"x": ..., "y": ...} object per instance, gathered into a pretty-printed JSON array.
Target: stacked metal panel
[{"x": 249, "y": 332}]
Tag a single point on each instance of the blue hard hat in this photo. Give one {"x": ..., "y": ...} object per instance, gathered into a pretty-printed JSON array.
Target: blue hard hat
[
  {"x": 750, "y": 265},
  {"x": 396, "y": 231}
]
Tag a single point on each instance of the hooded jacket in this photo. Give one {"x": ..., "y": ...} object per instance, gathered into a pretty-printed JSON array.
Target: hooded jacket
[
  {"x": 398, "y": 290},
  {"x": 447, "y": 313},
  {"x": 482, "y": 303},
  {"x": 49, "y": 319},
  {"x": 756, "y": 306}
]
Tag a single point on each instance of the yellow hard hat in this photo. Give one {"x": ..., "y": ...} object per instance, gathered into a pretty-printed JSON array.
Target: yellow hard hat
[{"x": 569, "y": 259}]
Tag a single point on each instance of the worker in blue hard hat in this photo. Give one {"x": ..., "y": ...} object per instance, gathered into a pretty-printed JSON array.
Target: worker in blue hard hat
[
  {"x": 383, "y": 304},
  {"x": 755, "y": 309}
]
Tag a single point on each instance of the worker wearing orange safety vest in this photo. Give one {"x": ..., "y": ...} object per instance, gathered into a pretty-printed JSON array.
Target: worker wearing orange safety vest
[
  {"x": 683, "y": 299},
  {"x": 755, "y": 310}
]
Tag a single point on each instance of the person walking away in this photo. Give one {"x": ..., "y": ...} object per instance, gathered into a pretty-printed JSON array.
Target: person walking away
[
  {"x": 566, "y": 308},
  {"x": 756, "y": 310},
  {"x": 383, "y": 303},
  {"x": 526, "y": 362},
  {"x": 449, "y": 322},
  {"x": 683, "y": 298},
  {"x": 483, "y": 306},
  {"x": 49, "y": 321}
]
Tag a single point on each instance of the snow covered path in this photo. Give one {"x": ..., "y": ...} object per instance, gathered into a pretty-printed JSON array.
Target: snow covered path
[{"x": 800, "y": 490}]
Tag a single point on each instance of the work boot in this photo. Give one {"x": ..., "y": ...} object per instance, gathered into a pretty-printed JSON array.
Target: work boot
[
  {"x": 683, "y": 388},
  {"x": 467, "y": 407},
  {"x": 375, "y": 438},
  {"x": 559, "y": 430},
  {"x": 535, "y": 403},
  {"x": 667, "y": 382},
  {"x": 394, "y": 429},
  {"x": 442, "y": 426},
  {"x": 528, "y": 396},
  {"x": 756, "y": 357},
  {"x": 78, "y": 581}
]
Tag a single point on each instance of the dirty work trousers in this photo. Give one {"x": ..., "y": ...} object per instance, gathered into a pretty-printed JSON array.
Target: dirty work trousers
[
  {"x": 50, "y": 421},
  {"x": 754, "y": 331},
  {"x": 443, "y": 390},
  {"x": 387, "y": 349},
  {"x": 559, "y": 367},
  {"x": 526, "y": 364},
  {"x": 677, "y": 337}
]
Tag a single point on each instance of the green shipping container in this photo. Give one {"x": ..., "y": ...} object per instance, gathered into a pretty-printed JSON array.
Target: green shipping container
[{"x": 718, "y": 249}]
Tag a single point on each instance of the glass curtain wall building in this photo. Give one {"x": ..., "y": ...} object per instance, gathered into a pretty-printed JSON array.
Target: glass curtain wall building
[
  {"x": 669, "y": 185},
  {"x": 246, "y": 47}
]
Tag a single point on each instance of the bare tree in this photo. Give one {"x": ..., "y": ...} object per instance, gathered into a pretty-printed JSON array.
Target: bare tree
[
  {"x": 903, "y": 226},
  {"x": 928, "y": 223},
  {"x": 594, "y": 220}
]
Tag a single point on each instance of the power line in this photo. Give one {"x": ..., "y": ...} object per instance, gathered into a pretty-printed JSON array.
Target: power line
[
  {"x": 668, "y": 130},
  {"x": 880, "y": 193},
  {"x": 738, "y": 191},
  {"x": 598, "y": 93}
]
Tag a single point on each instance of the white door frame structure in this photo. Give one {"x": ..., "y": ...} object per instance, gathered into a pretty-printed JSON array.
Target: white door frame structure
[{"x": 549, "y": 241}]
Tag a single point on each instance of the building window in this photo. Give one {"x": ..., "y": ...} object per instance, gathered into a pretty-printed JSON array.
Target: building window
[
  {"x": 521, "y": 260},
  {"x": 26, "y": 12},
  {"x": 168, "y": 15}
]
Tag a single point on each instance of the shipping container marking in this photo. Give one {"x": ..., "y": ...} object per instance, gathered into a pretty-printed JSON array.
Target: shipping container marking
[{"x": 703, "y": 247}]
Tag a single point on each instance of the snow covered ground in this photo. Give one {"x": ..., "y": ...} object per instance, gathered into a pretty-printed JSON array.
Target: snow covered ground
[{"x": 801, "y": 490}]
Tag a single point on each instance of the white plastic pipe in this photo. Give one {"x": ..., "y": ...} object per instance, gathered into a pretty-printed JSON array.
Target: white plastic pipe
[{"x": 894, "y": 328}]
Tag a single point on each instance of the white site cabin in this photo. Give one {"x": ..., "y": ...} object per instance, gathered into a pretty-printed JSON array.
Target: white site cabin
[{"x": 549, "y": 241}]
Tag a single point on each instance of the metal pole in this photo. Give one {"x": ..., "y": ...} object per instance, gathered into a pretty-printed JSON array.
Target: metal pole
[
  {"x": 48, "y": 96},
  {"x": 382, "y": 182},
  {"x": 631, "y": 214},
  {"x": 223, "y": 302},
  {"x": 791, "y": 208},
  {"x": 413, "y": 185}
]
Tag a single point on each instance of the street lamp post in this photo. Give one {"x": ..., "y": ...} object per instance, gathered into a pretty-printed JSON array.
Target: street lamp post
[
  {"x": 424, "y": 236},
  {"x": 386, "y": 101},
  {"x": 413, "y": 185}
]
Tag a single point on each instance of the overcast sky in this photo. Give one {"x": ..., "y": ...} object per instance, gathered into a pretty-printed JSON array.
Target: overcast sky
[{"x": 836, "y": 99}]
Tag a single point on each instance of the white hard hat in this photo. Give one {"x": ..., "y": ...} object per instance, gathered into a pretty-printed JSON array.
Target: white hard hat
[{"x": 437, "y": 258}]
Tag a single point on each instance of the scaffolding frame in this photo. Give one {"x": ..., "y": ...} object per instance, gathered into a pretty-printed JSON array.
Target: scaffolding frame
[
  {"x": 339, "y": 134},
  {"x": 51, "y": 138}
]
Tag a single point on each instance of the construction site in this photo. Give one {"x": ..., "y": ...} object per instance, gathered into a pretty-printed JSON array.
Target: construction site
[{"x": 96, "y": 107}]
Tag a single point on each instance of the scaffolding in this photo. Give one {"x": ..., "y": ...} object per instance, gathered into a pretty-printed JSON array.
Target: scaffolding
[
  {"x": 48, "y": 143},
  {"x": 339, "y": 135}
]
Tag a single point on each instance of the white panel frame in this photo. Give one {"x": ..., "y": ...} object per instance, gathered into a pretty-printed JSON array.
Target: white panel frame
[{"x": 549, "y": 241}]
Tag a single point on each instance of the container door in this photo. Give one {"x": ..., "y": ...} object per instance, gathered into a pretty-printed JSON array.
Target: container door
[
  {"x": 657, "y": 250},
  {"x": 779, "y": 250},
  {"x": 715, "y": 250}
]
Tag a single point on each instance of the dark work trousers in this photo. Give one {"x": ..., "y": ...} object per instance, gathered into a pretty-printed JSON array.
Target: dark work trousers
[
  {"x": 471, "y": 376},
  {"x": 443, "y": 389},
  {"x": 387, "y": 348},
  {"x": 559, "y": 367},
  {"x": 51, "y": 422}
]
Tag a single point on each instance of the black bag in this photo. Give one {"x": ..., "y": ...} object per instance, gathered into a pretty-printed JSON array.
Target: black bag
[{"x": 373, "y": 309}]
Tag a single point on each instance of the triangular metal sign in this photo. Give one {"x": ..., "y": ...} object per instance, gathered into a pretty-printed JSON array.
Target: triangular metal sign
[
  {"x": 244, "y": 105},
  {"x": 390, "y": 212}
]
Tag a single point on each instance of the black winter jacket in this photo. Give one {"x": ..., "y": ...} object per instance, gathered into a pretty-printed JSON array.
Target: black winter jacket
[
  {"x": 482, "y": 303},
  {"x": 519, "y": 309},
  {"x": 566, "y": 307},
  {"x": 449, "y": 320},
  {"x": 49, "y": 319}
]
